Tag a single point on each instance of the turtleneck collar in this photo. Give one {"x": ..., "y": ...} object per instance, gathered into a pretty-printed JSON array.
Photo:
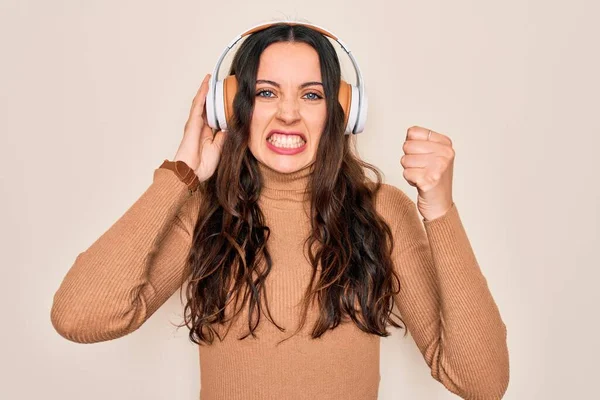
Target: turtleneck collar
[{"x": 285, "y": 190}]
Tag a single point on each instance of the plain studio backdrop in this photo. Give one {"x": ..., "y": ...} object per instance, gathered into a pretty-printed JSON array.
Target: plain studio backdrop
[{"x": 95, "y": 95}]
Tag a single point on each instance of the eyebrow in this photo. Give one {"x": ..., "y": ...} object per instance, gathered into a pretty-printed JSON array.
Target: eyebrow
[{"x": 305, "y": 84}]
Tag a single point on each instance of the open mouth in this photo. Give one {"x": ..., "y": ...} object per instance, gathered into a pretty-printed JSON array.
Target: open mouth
[{"x": 286, "y": 141}]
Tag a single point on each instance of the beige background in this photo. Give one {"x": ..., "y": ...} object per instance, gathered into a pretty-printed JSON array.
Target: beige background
[{"x": 95, "y": 94}]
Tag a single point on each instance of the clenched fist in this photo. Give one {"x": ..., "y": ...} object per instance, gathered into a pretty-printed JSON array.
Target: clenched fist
[{"x": 428, "y": 165}]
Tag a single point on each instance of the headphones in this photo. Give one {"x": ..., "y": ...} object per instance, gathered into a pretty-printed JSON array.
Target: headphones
[{"x": 219, "y": 99}]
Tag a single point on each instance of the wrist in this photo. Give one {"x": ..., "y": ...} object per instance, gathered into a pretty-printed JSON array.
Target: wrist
[{"x": 432, "y": 215}]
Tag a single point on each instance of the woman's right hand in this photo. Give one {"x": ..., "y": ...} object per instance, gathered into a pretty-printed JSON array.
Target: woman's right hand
[{"x": 199, "y": 149}]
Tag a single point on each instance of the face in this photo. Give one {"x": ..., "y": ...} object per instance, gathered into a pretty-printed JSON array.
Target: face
[{"x": 290, "y": 110}]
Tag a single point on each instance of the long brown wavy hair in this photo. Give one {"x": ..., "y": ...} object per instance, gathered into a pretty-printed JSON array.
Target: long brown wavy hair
[{"x": 350, "y": 244}]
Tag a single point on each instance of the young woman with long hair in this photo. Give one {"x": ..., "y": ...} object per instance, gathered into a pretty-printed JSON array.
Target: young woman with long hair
[{"x": 292, "y": 259}]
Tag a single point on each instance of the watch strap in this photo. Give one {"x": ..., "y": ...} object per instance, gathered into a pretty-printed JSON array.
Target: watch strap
[{"x": 184, "y": 172}]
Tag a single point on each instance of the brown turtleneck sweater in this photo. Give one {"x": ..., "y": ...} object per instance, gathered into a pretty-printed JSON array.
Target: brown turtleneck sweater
[{"x": 135, "y": 266}]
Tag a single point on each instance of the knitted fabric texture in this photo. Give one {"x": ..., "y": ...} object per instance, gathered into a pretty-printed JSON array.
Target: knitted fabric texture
[{"x": 115, "y": 285}]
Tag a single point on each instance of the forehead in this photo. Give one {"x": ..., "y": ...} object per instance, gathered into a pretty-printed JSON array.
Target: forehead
[{"x": 289, "y": 62}]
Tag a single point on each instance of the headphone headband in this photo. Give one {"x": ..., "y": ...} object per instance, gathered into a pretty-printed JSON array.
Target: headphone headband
[{"x": 358, "y": 126}]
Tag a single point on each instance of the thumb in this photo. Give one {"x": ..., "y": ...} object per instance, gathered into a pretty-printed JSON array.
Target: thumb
[
  {"x": 206, "y": 135},
  {"x": 219, "y": 139}
]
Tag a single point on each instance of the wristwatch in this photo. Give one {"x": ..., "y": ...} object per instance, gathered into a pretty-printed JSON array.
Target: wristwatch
[{"x": 184, "y": 173}]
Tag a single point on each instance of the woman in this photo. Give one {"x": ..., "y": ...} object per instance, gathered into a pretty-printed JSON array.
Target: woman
[{"x": 293, "y": 258}]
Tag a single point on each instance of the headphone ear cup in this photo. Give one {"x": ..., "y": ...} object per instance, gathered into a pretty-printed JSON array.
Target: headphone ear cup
[
  {"x": 345, "y": 99},
  {"x": 220, "y": 111},
  {"x": 220, "y": 106},
  {"x": 211, "y": 115},
  {"x": 353, "y": 110},
  {"x": 230, "y": 86}
]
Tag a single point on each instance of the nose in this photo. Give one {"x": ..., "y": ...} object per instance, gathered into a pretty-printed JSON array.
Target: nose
[{"x": 287, "y": 111}]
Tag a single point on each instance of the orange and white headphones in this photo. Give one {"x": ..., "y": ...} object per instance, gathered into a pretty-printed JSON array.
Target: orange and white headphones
[{"x": 219, "y": 99}]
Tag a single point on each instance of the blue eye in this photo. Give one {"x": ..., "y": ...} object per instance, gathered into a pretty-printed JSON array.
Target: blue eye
[
  {"x": 263, "y": 91},
  {"x": 316, "y": 96}
]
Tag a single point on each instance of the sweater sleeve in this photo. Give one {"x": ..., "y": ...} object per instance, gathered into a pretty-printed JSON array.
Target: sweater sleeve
[
  {"x": 447, "y": 306},
  {"x": 115, "y": 285}
]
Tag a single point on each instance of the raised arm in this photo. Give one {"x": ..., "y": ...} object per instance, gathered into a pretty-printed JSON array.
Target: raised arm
[
  {"x": 132, "y": 269},
  {"x": 446, "y": 304}
]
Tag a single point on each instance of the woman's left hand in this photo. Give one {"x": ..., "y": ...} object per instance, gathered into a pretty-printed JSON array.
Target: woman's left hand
[{"x": 428, "y": 166}]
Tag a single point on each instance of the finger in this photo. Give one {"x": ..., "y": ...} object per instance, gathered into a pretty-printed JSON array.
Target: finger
[
  {"x": 206, "y": 134},
  {"x": 413, "y": 176},
  {"x": 415, "y": 160},
  {"x": 420, "y": 133},
  {"x": 219, "y": 139},
  {"x": 424, "y": 147},
  {"x": 204, "y": 114},
  {"x": 200, "y": 98},
  {"x": 195, "y": 122}
]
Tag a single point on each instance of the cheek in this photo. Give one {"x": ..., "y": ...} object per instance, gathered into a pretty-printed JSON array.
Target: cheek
[
  {"x": 262, "y": 111},
  {"x": 316, "y": 121},
  {"x": 258, "y": 121}
]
